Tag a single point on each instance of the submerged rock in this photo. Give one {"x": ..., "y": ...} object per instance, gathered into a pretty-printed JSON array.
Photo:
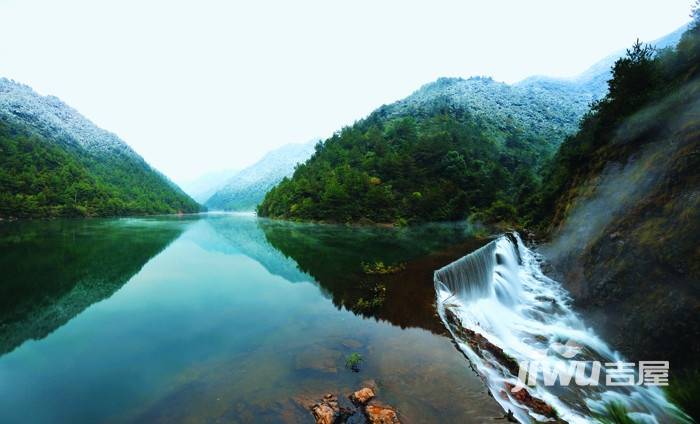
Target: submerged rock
[
  {"x": 377, "y": 414},
  {"x": 330, "y": 411},
  {"x": 351, "y": 344},
  {"x": 318, "y": 358},
  {"x": 362, "y": 396},
  {"x": 326, "y": 411}
]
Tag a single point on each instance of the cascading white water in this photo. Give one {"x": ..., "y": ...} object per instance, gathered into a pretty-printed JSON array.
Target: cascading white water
[{"x": 502, "y": 311}]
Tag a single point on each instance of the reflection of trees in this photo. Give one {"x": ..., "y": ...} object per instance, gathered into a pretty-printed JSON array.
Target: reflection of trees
[
  {"x": 53, "y": 270},
  {"x": 333, "y": 255}
]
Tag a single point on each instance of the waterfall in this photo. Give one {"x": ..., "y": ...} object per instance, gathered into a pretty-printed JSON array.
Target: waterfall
[{"x": 505, "y": 315}]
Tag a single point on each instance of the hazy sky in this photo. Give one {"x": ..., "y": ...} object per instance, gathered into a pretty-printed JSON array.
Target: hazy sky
[{"x": 199, "y": 86}]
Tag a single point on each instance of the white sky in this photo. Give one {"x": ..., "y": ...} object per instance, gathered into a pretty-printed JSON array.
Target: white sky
[{"x": 198, "y": 86}]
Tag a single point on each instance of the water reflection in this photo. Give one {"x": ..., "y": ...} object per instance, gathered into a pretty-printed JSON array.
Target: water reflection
[
  {"x": 52, "y": 270},
  {"x": 241, "y": 234},
  {"x": 334, "y": 256},
  {"x": 223, "y": 318}
]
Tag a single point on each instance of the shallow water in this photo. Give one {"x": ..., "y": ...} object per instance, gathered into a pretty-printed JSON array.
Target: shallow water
[{"x": 222, "y": 318}]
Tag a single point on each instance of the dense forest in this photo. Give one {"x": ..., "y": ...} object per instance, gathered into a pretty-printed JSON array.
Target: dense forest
[
  {"x": 40, "y": 179},
  {"x": 54, "y": 162},
  {"x": 405, "y": 164},
  {"x": 437, "y": 155},
  {"x": 406, "y": 169}
]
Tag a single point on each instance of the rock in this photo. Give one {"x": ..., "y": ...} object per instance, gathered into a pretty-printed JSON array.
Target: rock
[
  {"x": 362, "y": 396},
  {"x": 536, "y": 405},
  {"x": 377, "y": 414},
  {"x": 323, "y": 414},
  {"x": 326, "y": 411},
  {"x": 351, "y": 344},
  {"x": 479, "y": 343},
  {"x": 329, "y": 410}
]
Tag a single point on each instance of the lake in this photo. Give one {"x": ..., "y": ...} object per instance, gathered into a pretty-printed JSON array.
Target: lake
[{"x": 224, "y": 318}]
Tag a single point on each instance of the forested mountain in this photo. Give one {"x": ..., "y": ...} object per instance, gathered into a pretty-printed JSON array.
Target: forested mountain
[
  {"x": 454, "y": 148},
  {"x": 547, "y": 108},
  {"x": 55, "y": 162},
  {"x": 246, "y": 189}
]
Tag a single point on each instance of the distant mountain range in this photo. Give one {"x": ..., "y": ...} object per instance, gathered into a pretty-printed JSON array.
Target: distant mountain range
[
  {"x": 55, "y": 162},
  {"x": 246, "y": 189},
  {"x": 596, "y": 77},
  {"x": 204, "y": 186}
]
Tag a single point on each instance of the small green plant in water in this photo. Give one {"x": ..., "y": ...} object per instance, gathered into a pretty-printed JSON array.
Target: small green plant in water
[
  {"x": 379, "y": 268},
  {"x": 353, "y": 362}
]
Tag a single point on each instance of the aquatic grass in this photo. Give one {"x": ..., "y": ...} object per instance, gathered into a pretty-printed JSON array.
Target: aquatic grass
[
  {"x": 353, "y": 361},
  {"x": 374, "y": 299},
  {"x": 379, "y": 268}
]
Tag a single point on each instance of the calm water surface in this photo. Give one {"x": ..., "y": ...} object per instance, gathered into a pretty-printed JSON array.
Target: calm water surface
[{"x": 222, "y": 318}]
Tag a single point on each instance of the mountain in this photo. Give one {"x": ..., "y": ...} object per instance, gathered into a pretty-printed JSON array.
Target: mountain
[
  {"x": 593, "y": 82},
  {"x": 203, "y": 187},
  {"x": 432, "y": 166},
  {"x": 246, "y": 189},
  {"x": 596, "y": 77},
  {"x": 55, "y": 162},
  {"x": 454, "y": 148},
  {"x": 551, "y": 109}
]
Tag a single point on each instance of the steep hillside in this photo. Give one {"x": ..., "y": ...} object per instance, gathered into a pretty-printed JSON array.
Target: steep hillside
[
  {"x": 246, "y": 189},
  {"x": 55, "y": 162},
  {"x": 406, "y": 169},
  {"x": 621, "y": 205}
]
